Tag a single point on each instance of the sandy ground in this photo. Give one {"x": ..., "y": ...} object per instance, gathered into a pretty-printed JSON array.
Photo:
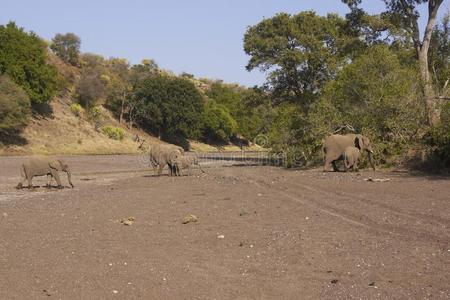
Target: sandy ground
[{"x": 262, "y": 233}]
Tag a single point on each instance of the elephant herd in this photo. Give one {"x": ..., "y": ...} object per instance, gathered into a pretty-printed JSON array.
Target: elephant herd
[
  {"x": 335, "y": 147},
  {"x": 159, "y": 156},
  {"x": 173, "y": 156}
]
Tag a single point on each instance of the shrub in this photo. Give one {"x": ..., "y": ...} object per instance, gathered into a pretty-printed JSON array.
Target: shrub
[
  {"x": 114, "y": 133},
  {"x": 24, "y": 59},
  {"x": 14, "y": 106},
  {"x": 67, "y": 47},
  {"x": 438, "y": 139},
  {"x": 219, "y": 125},
  {"x": 169, "y": 106},
  {"x": 90, "y": 88},
  {"x": 76, "y": 109},
  {"x": 379, "y": 98}
]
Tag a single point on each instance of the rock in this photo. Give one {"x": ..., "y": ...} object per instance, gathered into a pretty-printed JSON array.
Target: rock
[
  {"x": 221, "y": 236},
  {"x": 372, "y": 284},
  {"x": 334, "y": 281},
  {"x": 128, "y": 222},
  {"x": 370, "y": 179},
  {"x": 190, "y": 219}
]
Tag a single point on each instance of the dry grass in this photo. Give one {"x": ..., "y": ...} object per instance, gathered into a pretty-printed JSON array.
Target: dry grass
[{"x": 66, "y": 133}]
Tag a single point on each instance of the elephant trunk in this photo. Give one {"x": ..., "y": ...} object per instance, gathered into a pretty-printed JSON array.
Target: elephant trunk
[
  {"x": 69, "y": 177},
  {"x": 370, "y": 153}
]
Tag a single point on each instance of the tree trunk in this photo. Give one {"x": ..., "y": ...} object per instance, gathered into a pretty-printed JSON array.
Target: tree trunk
[
  {"x": 130, "y": 115},
  {"x": 428, "y": 92},
  {"x": 422, "y": 54},
  {"x": 121, "y": 111}
]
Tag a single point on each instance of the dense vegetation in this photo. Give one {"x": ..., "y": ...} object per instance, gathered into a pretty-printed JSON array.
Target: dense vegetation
[
  {"x": 363, "y": 70},
  {"x": 14, "y": 107},
  {"x": 372, "y": 72},
  {"x": 23, "y": 57}
]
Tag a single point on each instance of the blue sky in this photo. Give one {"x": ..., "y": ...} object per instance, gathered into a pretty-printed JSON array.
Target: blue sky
[{"x": 201, "y": 37}]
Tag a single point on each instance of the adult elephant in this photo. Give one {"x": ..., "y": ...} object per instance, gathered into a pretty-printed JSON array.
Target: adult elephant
[
  {"x": 41, "y": 166},
  {"x": 334, "y": 147},
  {"x": 161, "y": 155}
]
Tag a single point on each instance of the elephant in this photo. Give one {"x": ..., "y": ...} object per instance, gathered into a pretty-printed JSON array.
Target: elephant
[
  {"x": 335, "y": 145},
  {"x": 40, "y": 166},
  {"x": 186, "y": 162},
  {"x": 161, "y": 155},
  {"x": 351, "y": 157}
]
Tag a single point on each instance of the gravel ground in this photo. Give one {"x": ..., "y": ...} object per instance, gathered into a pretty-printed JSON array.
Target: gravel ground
[{"x": 259, "y": 233}]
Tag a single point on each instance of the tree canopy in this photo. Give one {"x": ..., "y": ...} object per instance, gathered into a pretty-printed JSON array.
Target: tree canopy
[
  {"x": 169, "y": 105},
  {"x": 67, "y": 47},
  {"x": 23, "y": 57}
]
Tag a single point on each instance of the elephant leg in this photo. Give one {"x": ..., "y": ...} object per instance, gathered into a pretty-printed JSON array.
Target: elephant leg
[
  {"x": 20, "y": 184},
  {"x": 327, "y": 164},
  {"x": 49, "y": 180},
  {"x": 30, "y": 182},
  {"x": 335, "y": 168},
  {"x": 160, "y": 169},
  {"x": 56, "y": 176},
  {"x": 155, "y": 169},
  {"x": 346, "y": 165}
]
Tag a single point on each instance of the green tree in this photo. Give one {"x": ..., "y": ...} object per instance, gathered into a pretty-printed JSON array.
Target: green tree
[
  {"x": 67, "y": 47},
  {"x": 404, "y": 16},
  {"x": 169, "y": 106},
  {"x": 218, "y": 125},
  {"x": 377, "y": 96},
  {"x": 119, "y": 87},
  {"x": 14, "y": 106},
  {"x": 439, "y": 56},
  {"x": 23, "y": 57},
  {"x": 300, "y": 53},
  {"x": 250, "y": 108}
]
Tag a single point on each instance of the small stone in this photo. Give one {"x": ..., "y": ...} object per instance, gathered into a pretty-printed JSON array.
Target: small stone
[
  {"x": 128, "y": 222},
  {"x": 115, "y": 292},
  {"x": 190, "y": 219},
  {"x": 334, "y": 281},
  {"x": 221, "y": 236},
  {"x": 372, "y": 284}
]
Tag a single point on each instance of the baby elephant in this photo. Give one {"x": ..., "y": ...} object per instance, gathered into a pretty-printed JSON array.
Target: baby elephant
[
  {"x": 351, "y": 157},
  {"x": 186, "y": 162},
  {"x": 41, "y": 166}
]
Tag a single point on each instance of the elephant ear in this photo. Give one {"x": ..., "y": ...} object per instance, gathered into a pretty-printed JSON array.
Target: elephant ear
[
  {"x": 358, "y": 142},
  {"x": 56, "y": 164}
]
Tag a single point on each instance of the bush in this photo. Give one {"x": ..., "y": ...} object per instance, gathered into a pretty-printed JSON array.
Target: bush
[
  {"x": 294, "y": 136},
  {"x": 90, "y": 88},
  {"x": 76, "y": 109},
  {"x": 377, "y": 96},
  {"x": 67, "y": 47},
  {"x": 169, "y": 106},
  {"x": 14, "y": 106},
  {"x": 438, "y": 139},
  {"x": 219, "y": 125},
  {"x": 114, "y": 133},
  {"x": 24, "y": 59}
]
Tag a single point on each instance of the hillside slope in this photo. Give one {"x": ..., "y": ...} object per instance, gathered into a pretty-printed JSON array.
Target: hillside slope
[{"x": 65, "y": 133}]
